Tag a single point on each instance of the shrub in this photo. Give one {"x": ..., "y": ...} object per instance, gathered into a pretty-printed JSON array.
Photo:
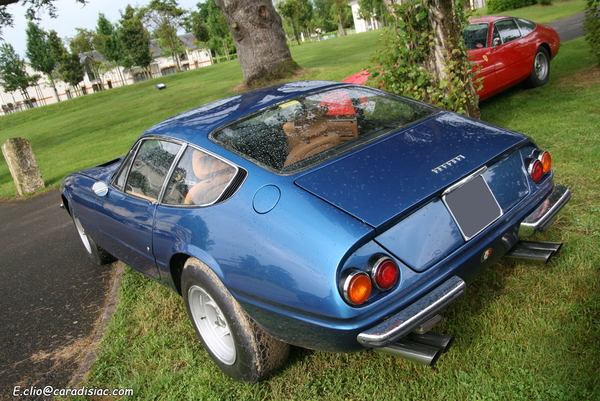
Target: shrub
[
  {"x": 503, "y": 5},
  {"x": 592, "y": 26}
]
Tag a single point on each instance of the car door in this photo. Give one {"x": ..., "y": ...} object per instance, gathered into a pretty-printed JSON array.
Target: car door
[
  {"x": 125, "y": 215},
  {"x": 199, "y": 181},
  {"x": 481, "y": 54},
  {"x": 510, "y": 53}
]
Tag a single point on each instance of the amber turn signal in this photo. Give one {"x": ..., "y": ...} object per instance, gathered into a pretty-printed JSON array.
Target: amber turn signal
[
  {"x": 357, "y": 287},
  {"x": 546, "y": 160}
]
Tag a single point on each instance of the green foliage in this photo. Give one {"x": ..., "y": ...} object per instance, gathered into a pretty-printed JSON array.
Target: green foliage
[
  {"x": 324, "y": 17},
  {"x": 71, "y": 70},
  {"x": 38, "y": 50},
  {"x": 13, "y": 75},
  {"x": 405, "y": 58},
  {"x": 495, "y": 6},
  {"x": 342, "y": 12},
  {"x": 57, "y": 47},
  {"x": 297, "y": 14},
  {"x": 210, "y": 27},
  {"x": 83, "y": 41},
  {"x": 541, "y": 15},
  {"x": 166, "y": 17},
  {"x": 592, "y": 26},
  {"x": 195, "y": 24},
  {"x": 135, "y": 38},
  {"x": 373, "y": 9},
  {"x": 103, "y": 34}
]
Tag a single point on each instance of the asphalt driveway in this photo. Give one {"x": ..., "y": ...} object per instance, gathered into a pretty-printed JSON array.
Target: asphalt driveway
[
  {"x": 51, "y": 297},
  {"x": 569, "y": 28}
]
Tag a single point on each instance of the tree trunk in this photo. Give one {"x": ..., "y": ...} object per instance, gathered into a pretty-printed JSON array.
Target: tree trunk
[
  {"x": 259, "y": 39},
  {"x": 53, "y": 85},
  {"x": 341, "y": 31},
  {"x": 446, "y": 55},
  {"x": 225, "y": 49},
  {"x": 444, "y": 20}
]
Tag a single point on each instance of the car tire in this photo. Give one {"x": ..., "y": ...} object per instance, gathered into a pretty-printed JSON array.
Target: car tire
[
  {"x": 96, "y": 254},
  {"x": 540, "y": 72},
  {"x": 242, "y": 349}
]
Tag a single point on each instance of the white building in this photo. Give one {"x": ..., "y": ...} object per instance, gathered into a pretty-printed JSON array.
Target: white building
[
  {"x": 360, "y": 24},
  {"x": 42, "y": 93}
]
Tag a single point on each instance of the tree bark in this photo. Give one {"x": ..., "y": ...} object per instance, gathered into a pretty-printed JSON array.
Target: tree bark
[
  {"x": 259, "y": 39},
  {"x": 446, "y": 54},
  {"x": 444, "y": 20}
]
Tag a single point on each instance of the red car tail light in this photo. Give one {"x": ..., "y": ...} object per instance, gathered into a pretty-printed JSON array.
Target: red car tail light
[
  {"x": 535, "y": 170},
  {"x": 384, "y": 272},
  {"x": 356, "y": 286}
]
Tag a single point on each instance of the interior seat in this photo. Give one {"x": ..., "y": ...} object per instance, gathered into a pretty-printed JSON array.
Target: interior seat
[{"x": 213, "y": 176}]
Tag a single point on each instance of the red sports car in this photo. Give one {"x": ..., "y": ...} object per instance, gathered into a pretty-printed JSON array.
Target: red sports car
[{"x": 505, "y": 51}]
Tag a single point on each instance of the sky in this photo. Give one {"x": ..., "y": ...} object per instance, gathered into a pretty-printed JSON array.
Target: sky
[{"x": 72, "y": 15}]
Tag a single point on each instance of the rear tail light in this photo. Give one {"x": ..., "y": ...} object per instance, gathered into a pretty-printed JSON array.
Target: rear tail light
[
  {"x": 536, "y": 170},
  {"x": 356, "y": 286},
  {"x": 539, "y": 164},
  {"x": 546, "y": 160},
  {"x": 384, "y": 272}
]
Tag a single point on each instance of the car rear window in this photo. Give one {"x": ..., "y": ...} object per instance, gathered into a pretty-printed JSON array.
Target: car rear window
[{"x": 289, "y": 137}]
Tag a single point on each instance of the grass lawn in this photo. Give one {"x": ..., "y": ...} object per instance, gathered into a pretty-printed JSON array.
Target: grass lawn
[
  {"x": 524, "y": 332},
  {"x": 540, "y": 13}
]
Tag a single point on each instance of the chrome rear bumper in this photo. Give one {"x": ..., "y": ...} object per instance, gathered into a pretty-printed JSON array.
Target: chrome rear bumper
[
  {"x": 405, "y": 321},
  {"x": 543, "y": 217}
]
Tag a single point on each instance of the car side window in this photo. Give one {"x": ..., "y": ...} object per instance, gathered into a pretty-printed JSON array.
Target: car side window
[
  {"x": 150, "y": 168},
  {"x": 476, "y": 35},
  {"x": 526, "y": 26},
  {"x": 508, "y": 30},
  {"x": 119, "y": 181},
  {"x": 198, "y": 179}
]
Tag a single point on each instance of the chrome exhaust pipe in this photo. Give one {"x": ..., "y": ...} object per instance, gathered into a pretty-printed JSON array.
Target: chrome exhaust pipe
[
  {"x": 533, "y": 252},
  {"x": 418, "y": 353},
  {"x": 436, "y": 340}
]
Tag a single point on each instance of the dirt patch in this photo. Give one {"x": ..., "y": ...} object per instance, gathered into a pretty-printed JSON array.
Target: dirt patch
[
  {"x": 585, "y": 77},
  {"x": 64, "y": 353}
]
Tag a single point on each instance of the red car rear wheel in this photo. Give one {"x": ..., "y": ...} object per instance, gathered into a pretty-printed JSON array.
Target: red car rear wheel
[{"x": 541, "y": 68}]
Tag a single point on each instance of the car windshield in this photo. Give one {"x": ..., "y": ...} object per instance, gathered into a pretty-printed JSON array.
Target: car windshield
[{"x": 308, "y": 130}]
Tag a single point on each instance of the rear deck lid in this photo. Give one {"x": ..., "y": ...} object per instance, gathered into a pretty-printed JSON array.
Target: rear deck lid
[{"x": 384, "y": 179}]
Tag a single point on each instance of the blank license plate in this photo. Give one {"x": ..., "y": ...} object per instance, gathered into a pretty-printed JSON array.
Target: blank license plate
[{"x": 473, "y": 207}]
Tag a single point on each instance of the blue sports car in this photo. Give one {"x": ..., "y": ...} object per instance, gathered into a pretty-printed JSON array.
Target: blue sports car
[{"x": 324, "y": 215}]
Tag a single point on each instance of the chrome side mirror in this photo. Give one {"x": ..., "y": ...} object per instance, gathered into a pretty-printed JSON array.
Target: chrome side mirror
[
  {"x": 100, "y": 188},
  {"x": 497, "y": 42}
]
